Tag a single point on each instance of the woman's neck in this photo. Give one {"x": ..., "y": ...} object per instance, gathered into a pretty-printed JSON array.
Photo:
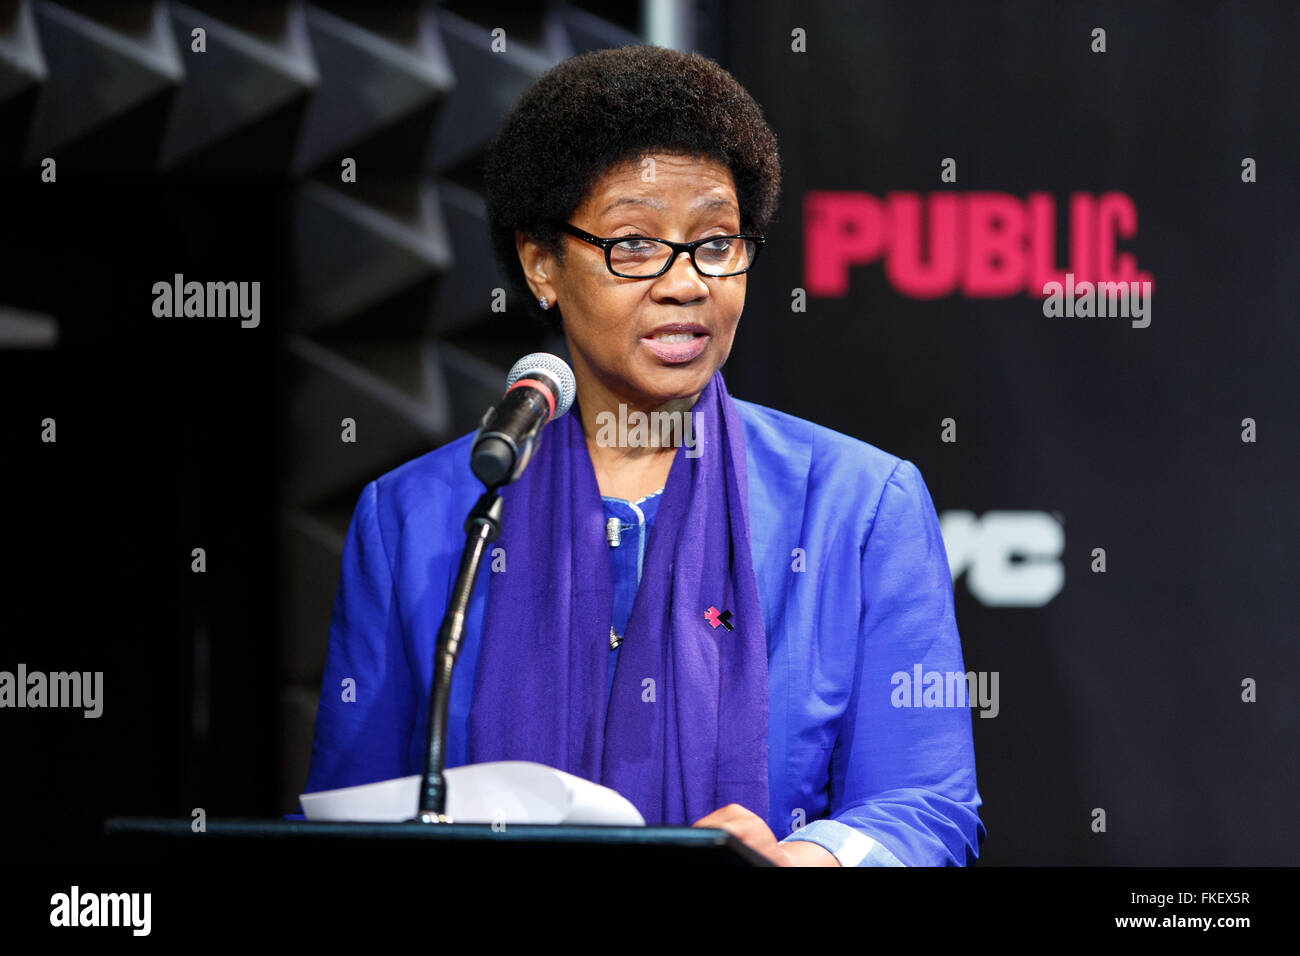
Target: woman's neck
[
  {"x": 627, "y": 452},
  {"x": 630, "y": 477}
]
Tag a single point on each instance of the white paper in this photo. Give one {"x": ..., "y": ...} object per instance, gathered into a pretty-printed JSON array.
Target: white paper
[{"x": 507, "y": 791}]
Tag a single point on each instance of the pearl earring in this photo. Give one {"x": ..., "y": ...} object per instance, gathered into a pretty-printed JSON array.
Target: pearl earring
[{"x": 543, "y": 303}]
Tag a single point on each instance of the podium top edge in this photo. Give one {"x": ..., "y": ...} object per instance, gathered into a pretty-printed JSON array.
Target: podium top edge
[{"x": 278, "y": 829}]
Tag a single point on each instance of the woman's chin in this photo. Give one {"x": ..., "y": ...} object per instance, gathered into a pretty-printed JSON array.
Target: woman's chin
[{"x": 675, "y": 382}]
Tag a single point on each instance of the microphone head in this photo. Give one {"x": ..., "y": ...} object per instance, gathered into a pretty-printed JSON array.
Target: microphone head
[{"x": 554, "y": 368}]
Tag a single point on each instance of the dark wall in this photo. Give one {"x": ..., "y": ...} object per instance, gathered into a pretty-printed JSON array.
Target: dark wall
[
  {"x": 1123, "y": 691},
  {"x": 217, "y": 433}
]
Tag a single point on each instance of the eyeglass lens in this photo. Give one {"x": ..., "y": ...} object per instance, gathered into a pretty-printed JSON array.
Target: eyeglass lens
[{"x": 645, "y": 257}]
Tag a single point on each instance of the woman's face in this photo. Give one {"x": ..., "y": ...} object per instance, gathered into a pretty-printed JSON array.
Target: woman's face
[{"x": 615, "y": 327}]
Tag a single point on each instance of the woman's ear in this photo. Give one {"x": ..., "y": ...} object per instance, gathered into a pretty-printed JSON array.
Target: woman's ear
[{"x": 539, "y": 265}]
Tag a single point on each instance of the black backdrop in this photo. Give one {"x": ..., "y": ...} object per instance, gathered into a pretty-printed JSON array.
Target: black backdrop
[{"x": 1123, "y": 691}]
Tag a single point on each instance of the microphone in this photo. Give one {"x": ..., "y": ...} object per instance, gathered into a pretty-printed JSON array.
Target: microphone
[{"x": 539, "y": 389}]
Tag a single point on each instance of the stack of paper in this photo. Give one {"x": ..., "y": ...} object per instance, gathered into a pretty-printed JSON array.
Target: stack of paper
[{"x": 508, "y": 791}]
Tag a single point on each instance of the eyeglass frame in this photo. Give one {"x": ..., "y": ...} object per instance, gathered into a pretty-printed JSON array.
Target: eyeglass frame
[{"x": 677, "y": 247}]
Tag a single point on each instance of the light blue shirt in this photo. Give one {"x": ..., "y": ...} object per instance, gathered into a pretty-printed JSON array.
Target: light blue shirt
[
  {"x": 855, "y": 590},
  {"x": 627, "y": 531}
]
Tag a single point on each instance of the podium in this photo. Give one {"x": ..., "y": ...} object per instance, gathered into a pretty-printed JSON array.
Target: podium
[{"x": 151, "y": 841}]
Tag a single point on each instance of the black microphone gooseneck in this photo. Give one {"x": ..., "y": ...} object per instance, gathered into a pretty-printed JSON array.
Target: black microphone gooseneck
[{"x": 540, "y": 388}]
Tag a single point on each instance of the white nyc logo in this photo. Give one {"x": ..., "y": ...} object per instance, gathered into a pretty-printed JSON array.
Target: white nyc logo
[{"x": 1013, "y": 556}]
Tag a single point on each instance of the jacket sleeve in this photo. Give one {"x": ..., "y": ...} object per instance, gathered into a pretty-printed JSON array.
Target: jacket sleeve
[
  {"x": 903, "y": 789},
  {"x": 366, "y": 711}
]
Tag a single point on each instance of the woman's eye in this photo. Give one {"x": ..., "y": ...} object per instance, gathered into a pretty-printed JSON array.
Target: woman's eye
[
  {"x": 718, "y": 248},
  {"x": 635, "y": 246}
]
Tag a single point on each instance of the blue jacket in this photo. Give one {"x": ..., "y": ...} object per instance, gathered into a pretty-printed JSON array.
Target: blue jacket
[{"x": 855, "y": 589}]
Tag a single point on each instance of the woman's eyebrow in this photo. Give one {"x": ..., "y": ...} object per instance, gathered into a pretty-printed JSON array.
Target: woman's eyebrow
[
  {"x": 657, "y": 204},
  {"x": 713, "y": 202},
  {"x": 705, "y": 203}
]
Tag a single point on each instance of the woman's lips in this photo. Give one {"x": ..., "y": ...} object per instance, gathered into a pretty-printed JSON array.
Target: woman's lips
[{"x": 677, "y": 348}]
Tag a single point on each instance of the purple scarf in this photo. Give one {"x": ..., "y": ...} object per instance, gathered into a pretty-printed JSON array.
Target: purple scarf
[{"x": 693, "y": 740}]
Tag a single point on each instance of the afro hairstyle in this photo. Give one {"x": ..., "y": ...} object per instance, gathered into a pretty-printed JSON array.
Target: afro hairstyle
[{"x": 598, "y": 110}]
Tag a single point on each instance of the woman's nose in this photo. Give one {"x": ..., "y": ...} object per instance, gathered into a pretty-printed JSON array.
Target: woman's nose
[{"x": 682, "y": 281}]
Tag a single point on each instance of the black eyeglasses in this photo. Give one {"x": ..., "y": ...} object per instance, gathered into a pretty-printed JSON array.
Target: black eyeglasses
[{"x": 642, "y": 257}]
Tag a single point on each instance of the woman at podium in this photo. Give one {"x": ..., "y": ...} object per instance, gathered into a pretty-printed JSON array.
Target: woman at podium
[{"x": 713, "y": 626}]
